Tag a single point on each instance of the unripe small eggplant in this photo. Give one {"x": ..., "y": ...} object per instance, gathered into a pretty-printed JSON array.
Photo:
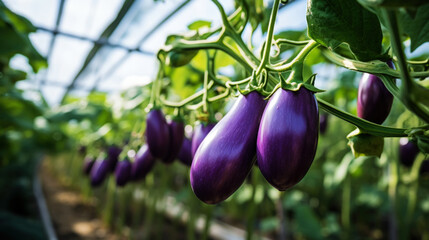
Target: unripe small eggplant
[
  {"x": 99, "y": 171},
  {"x": 287, "y": 137},
  {"x": 177, "y": 132},
  {"x": 185, "y": 153},
  {"x": 157, "y": 134},
  {"x": 200, "y": 132},
  {"x": 88, "y": 162},
  {"x": 143, "y": 163},
  {"x": 123, "y": 172},
  {"x": 374, "y": 100},
  {"x": 408, "y": 152},
  {"x": 226, "y": 155}
]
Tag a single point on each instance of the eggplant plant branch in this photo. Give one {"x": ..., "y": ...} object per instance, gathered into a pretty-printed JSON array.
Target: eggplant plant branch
[
  {"x": 364, "y": 125},
  {"x": 373, "y": 67},
  {"x": 409, "y": 87}
]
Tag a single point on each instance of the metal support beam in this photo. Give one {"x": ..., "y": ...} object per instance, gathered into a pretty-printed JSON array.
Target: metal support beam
[
  {"x": 54, "y": 37},
  {"x": 100, "y": 42}
]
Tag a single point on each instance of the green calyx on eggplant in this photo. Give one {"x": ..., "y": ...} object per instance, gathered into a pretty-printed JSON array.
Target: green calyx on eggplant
[
  {"x": 177, "y": 133},
  {"x": 287, "y": 137},
  {"x": 374, "y": 100},
  {"x": 157, "y": 134},
  {"x": 226, "y": 155}
]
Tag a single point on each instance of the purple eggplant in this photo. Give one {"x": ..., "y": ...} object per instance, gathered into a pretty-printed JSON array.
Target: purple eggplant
[
  {"x": 287, "y": 137},
  {"x": 88, "y": 162},
  {"x": 123, "y": 172},
  {"x": 408, "y": 152},
  {"x": 226, "y": 155},
  {"x": 200, "y": 132},
  {"x": 157, "y": 134},
  {"x": 323, "y": 123},
  {"x": 185, "y": 153},
  {"x": 143, "y": 163},
  {"x": 99, "y": 171},
  {"x": 424, "y": 168},
  {"x": 112, "y": 156},
  {"x": 374, "y": 100},
  {"x": 177, "y": 133}
]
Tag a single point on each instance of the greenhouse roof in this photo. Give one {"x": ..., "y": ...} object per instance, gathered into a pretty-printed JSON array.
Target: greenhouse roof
[{"x": 110, "y": 45}]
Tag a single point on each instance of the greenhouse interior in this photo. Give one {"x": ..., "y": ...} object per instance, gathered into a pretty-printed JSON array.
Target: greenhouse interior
[{"x": 149, "y": 119}]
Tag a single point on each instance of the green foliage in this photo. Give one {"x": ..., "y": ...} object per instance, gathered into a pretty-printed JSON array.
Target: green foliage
[
  {"x": 333, "y": 22},
  {"x": 416, "y": 25}
]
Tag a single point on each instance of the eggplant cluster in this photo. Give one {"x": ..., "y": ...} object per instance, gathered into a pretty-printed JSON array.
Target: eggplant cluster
[{"x": 282, "y": 133}]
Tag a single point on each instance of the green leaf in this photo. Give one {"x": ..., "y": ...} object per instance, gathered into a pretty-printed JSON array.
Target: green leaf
[
  {"x": 199, "y": 24},
  {"x": 307, "y": 222},
  {"x": 333, "y": 22},
  {"x": 416, "y": 27}
]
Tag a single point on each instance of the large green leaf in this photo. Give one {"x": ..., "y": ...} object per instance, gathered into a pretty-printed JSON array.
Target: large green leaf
[
  {"x": 416, "y": 26},
  {"x": 333, "y": 22},
  {"x": 14, "y": 30}
]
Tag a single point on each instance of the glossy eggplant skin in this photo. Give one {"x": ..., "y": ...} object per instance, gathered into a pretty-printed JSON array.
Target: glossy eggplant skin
[
  {"x": 88, "y": 162},
  {"x": 123, "y": 172},
  {"x": 177, "y": 133},
  {"x": 185, "y": 153},
  {"x": 287, "y": 137},
  {"x": 157, "y": 134},
  {"x": 143, "y": 163},
  {"x": 374, "y": 100},
  {"x": 112, "y": 156},
  {"x": 200, "y": 132},
  {"x": 226, "y": 155},
  {"x": 407, "y": 152},
  {"x": 323, "y": 123},
  {"x": 99, "y": 171}
]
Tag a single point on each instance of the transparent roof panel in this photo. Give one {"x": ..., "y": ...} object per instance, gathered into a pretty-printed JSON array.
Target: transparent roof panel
[
  {"x": 142, "y": 18},
  {"x": 193, "y": 11},
  {"x": 53, "y": 94},
  {"x": 41, "y": 12},
  {"x": 41, "y": 41},
  {"x": 88, "y": 17},
  {"x": 134, "y": 66},
  {"x": 67, "y": 58}
]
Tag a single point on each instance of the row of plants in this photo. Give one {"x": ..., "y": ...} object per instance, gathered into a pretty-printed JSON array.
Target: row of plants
[
  {"x": 231, "y": 131},
  {"x": 371, "y": 184}
]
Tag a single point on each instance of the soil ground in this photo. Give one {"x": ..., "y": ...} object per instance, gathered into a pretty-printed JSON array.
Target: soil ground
[{"x": 72, "y": 217}]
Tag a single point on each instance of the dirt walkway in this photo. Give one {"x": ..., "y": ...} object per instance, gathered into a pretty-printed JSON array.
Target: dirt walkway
[{"x": 72, "y": 217}]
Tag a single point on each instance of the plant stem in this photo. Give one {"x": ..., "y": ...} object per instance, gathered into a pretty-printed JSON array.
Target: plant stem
[
  {"x": 364, "y": 125},
  {"x": 268, "y": 42},
  {"x": 282, "y": 218},
  {"x": 252, "y": 209},
  {"x": 408, "y": 85},
  {"x": 345, "y": 207},
  {"x": 282, "y": 66},
  {"x": 373, "y": 67}
]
